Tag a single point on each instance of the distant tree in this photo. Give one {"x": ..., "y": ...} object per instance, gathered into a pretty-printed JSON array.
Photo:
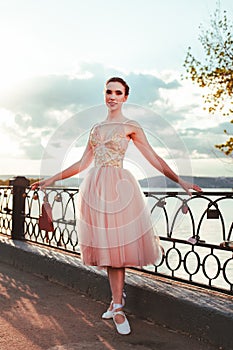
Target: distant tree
[
  {"x": 215, "y": 73},
  {"x": 32, "y": 180},
  {"x": 4, "y": 182},
  {"x": 7, "y": 181}
]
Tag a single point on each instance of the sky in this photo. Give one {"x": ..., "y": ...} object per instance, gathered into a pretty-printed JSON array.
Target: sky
[{"x": 55, "y": 58}]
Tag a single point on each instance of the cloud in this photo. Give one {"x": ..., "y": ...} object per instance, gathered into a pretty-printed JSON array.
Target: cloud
[
  {"x": 145, "y": 88},
  {"x": 56, "y": 92},
  {"x": 43, "y": 103},
  {"x": 60, "y": 110},
  {"x": 201, "y": 142},
  {"x": 219, "y": 129}
]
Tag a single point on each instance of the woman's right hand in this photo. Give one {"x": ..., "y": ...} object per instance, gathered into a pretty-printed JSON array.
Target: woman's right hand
[{"x": 42, "y": 184}]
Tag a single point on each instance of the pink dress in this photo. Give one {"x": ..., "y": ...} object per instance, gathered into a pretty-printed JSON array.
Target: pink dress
[{"x": 114, "y": 224}]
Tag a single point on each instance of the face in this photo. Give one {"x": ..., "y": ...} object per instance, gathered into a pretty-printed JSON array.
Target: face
[{"x": 114, "y": 95}]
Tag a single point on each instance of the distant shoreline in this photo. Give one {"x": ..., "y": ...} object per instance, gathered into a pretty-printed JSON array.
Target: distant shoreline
[
  {"x": 152, "y": 182},
  {"x": 202, "y": 181}
]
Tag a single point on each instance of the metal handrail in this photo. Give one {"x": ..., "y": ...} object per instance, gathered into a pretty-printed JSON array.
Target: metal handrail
[{"x": 189, "y": 257}]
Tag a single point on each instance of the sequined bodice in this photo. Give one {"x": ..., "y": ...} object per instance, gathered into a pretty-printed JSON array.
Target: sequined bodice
[{"x": 109, "y": 150}]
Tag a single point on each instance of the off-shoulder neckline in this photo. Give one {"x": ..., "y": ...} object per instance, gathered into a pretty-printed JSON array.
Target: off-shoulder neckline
[{"x": 113, "y": 122}]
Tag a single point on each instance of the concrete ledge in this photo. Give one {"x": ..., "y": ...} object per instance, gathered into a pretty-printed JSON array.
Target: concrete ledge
[{"x": 204, "y": 314}]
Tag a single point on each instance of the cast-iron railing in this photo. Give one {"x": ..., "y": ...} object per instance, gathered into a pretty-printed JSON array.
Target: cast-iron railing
[{"x": 196, "y": 232}]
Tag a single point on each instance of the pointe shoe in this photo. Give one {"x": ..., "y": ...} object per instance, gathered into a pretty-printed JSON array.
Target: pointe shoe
[
  {"x": 122, "y": 328},
  {"x": 107, "y": 315}
]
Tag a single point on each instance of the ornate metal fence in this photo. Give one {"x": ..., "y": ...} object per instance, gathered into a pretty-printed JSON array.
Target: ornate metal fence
[
  {"x": 6, "y": 210},
  {"x": 63, "y": 203},
  {"x": 196, "y": 232}
]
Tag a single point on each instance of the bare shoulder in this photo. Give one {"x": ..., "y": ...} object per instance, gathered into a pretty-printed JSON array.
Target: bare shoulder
[
  {"x": 135, "y": 132},
  {"x": 132, "y": 126},
  {"x": 93, "y": 127}
]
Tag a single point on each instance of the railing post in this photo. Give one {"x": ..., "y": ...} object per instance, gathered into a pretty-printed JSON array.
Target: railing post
[{"x": 19, "y": 183}]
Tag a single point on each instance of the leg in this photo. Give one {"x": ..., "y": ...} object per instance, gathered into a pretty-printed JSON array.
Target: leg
[{"x": 117, "y": 279}]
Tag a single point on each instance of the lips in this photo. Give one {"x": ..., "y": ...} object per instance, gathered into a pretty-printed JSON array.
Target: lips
[{"x": 112, "y": 104}]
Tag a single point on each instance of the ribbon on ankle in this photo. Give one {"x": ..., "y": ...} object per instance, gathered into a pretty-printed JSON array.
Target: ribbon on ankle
[{"x": 117, "y": 306}]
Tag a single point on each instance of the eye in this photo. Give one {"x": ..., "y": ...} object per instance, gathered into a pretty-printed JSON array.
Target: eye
[
  {"x": 119, "y": 92},
  {"x": 108, "y": 92}
]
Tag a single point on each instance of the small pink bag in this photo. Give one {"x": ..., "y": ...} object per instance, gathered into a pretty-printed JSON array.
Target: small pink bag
[{"x": 46, "y": 218}]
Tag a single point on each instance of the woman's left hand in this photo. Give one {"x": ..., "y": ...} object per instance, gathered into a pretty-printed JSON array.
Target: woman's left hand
[{"x": 187, "y": 186}]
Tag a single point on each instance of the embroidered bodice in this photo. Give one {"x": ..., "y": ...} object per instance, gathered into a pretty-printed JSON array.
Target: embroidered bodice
[{"x": 110, "y": 149}]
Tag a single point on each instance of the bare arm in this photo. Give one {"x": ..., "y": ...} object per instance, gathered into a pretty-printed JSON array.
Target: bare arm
[
  {"x": 74, "y": 169},
  {"x": 139, "y": 138}
]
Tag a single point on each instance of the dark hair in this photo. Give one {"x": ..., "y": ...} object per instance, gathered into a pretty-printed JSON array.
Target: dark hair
[{"x": 119, "y": 80}]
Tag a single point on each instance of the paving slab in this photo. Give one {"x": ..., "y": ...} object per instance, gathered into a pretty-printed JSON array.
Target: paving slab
[{"x": 40, "y": 314}]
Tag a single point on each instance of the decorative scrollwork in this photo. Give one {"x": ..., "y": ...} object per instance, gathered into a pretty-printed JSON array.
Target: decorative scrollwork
[{"x": 191, "y": 255}]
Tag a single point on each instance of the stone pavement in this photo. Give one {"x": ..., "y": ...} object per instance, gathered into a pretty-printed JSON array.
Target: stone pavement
[{"x": 38, "y": 314}]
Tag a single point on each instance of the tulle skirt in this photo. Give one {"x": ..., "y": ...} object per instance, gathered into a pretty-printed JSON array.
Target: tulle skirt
[{"x": 114, "y": 225}]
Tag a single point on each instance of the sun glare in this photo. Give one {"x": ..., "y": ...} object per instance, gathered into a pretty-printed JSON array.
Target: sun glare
[{"x": 18, "y": 52}]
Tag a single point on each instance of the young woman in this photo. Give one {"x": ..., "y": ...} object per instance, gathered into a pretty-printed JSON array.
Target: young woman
[{"x": 114, "y": 226}]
